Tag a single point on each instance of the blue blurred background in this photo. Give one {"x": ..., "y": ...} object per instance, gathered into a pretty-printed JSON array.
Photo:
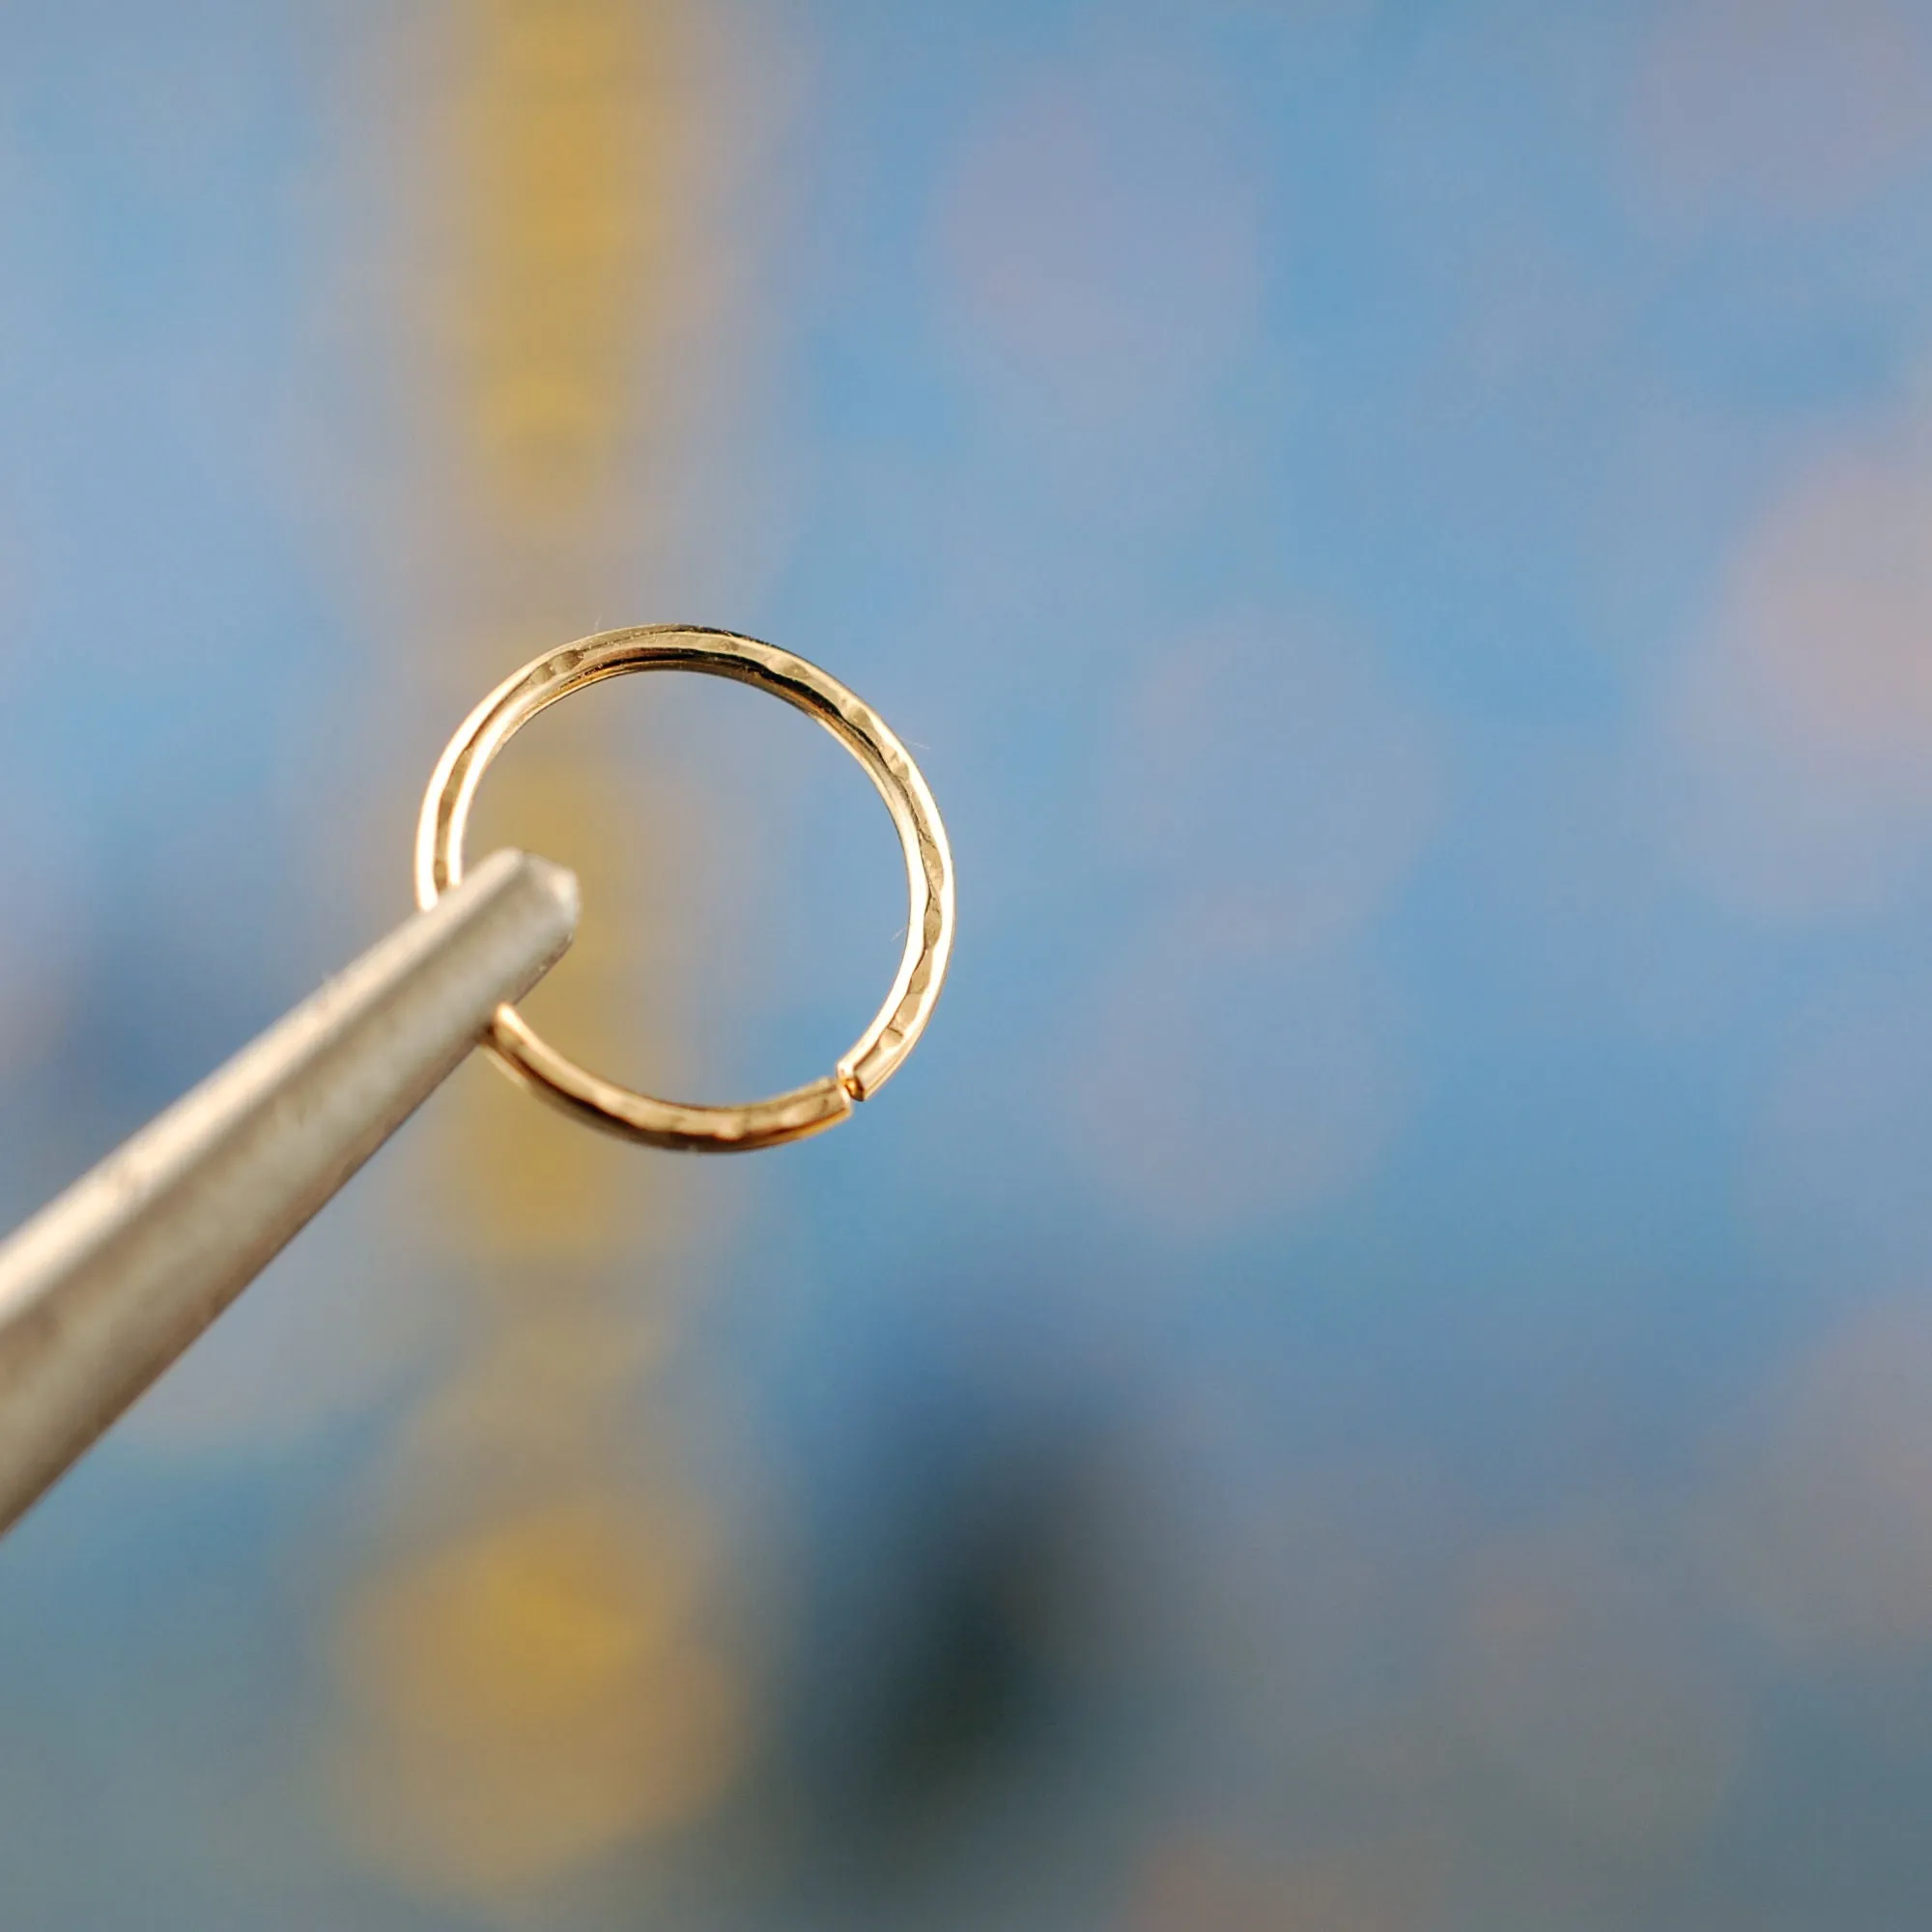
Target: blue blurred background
[{"x": 1375, "y": 1372}]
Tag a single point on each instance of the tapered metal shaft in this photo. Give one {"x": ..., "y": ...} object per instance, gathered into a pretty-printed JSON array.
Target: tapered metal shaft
[{"x": 102, "y": 1289}]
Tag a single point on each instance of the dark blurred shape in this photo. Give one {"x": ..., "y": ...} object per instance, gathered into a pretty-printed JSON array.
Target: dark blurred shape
[
  {"x": 929, "y": 1682},
  {"x": 939, "y": 1715}
]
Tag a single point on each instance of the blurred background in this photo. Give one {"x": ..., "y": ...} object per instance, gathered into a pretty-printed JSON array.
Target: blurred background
[{"x": 1375, "y": 1372}]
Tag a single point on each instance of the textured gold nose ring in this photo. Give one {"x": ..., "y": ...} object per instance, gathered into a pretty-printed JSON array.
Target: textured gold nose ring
[{"x": 899, "y": 1023}]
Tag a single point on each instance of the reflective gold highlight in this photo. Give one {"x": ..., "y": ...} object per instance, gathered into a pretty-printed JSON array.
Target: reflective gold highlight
[{"x": 895, "y": 1029}]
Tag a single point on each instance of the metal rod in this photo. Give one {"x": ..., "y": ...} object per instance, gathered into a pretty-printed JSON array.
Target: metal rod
[{"x": 109, "y": 1283}]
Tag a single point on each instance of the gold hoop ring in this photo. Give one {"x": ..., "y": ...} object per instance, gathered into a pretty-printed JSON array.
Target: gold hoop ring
[{"x": 899, "y": 1023}]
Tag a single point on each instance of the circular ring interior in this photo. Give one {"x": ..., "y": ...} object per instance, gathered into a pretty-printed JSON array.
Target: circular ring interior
[{"x": 899, "y": 1023}]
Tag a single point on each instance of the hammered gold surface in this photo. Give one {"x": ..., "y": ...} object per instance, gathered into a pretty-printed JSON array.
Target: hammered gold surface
[{"x": 922, "y": 974}]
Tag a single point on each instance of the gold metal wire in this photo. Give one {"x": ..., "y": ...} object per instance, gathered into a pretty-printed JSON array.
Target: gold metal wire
[{"x": 899, "y": 1023}]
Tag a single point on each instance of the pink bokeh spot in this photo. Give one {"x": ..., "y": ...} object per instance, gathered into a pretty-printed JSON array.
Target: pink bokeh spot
[
  {"x": 1100, "y": 241},
  {"x": 1788, "y": 111},
  {"x": 1801, "y": 720}
]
